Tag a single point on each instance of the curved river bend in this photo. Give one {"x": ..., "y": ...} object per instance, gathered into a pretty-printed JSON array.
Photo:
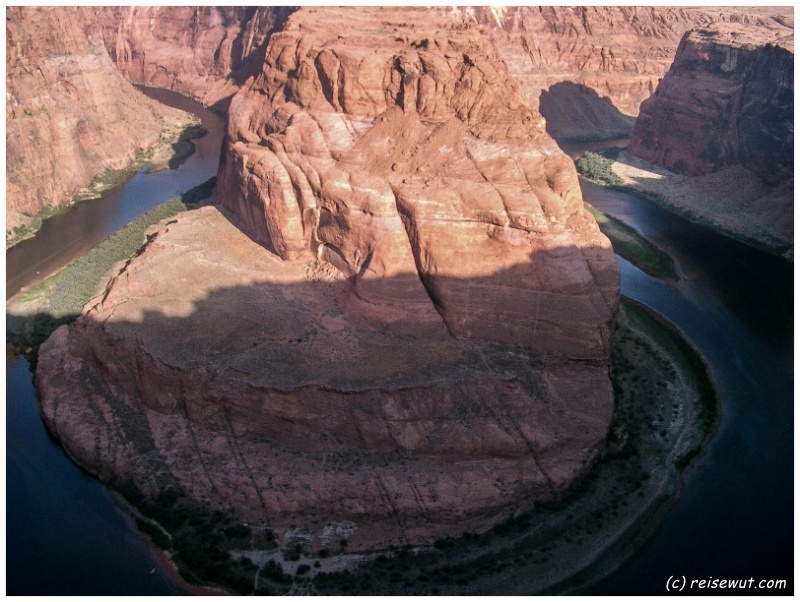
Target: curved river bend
[{"x": 734, "y": 519}]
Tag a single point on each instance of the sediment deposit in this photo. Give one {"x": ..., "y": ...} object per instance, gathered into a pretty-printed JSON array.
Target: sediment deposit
[{"x": 402, "y": 329}]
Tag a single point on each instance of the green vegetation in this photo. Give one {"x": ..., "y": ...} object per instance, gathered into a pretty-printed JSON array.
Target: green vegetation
[
  {"x": 198, "y": 539},
  {"x": 63, "y": 295},
  {"x": 596, "y": 166},
  {"x": 665, "y": 409},
  {"x": 631, "y": 245}
]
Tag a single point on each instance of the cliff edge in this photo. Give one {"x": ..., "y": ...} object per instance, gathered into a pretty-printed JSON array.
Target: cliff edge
[{"x": 399, "y": 331}]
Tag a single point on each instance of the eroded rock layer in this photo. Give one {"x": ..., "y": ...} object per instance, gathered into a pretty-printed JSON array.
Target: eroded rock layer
[
  {"x": 727, "y": 103},
  {"x": 728, "y": 99},
  {"x": 406, "y": 337},
  {"x": 70, "y": 114},
  {"x": 589, "y": 68},
  {"x": 206, "y": 52}
]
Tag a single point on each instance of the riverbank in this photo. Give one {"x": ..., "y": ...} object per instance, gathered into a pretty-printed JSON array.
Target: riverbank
[
  {"x": 173, "y": 147},
  {"x": 732, "y": 201},
  {"x": 32, "y": 314},
  {"x": 634, "y": 247}
]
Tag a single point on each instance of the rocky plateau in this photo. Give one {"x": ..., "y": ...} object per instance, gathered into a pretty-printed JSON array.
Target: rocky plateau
[{"x": 395, "y": 325}]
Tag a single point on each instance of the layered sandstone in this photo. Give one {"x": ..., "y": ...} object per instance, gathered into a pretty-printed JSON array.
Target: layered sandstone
[
  {"x": 70, "y": 115},
  {"x": 589, "y": 68},
  {"x": 204, "y": 52},
  {"x": 727, "y": 105},
  {"x": 408, "y": 334},
  {"x": 728, "y": 99}
]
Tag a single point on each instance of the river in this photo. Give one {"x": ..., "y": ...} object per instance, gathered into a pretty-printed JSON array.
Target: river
[
  {"x": 734, "y": 519},
  {"x": 69, "y": 234}
]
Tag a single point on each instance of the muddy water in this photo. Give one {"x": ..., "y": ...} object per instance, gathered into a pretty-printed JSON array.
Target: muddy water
[{"x": 71, "y": 233}]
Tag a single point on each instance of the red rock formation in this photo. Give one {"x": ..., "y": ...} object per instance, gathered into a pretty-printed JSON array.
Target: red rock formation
[
  {"x": 205, "y": 52},
  {"x": 425, "y": 352},
  {"x": 592, "y": 66},
  {"x": 728, "y": 99},
  {"x": 69, "y": 113},
  {"x": 727, "y": 103}
]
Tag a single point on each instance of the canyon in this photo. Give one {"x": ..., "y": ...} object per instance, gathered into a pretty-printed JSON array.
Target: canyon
[
  {"x": 70, "y": 114},
  {"x": 589, "y": 67},
  {"x": 409, "y": 241},
  {"x": 393, "y": 325}
]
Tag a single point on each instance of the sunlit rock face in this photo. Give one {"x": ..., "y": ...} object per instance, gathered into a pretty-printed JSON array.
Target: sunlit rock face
[
  {"x": 397, "y": 323},
  {"x": 70, "y": 114},
  {"x": 206, "y": 52}
]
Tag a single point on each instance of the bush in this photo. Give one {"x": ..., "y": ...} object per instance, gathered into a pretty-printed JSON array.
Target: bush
[{"x": 597, "y": 168}]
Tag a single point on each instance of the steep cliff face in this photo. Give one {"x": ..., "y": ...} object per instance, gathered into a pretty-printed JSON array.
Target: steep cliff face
[
  {"x": 724, "y": 117},
  {"x": 69, "y": 113},
  {"x": 412, "y": 338},
  {"x": 387, "y": 150},
  {"x": 205, "y": 52},
  {"x": 589, "y": 68},
  {"x": 728, "y": 99}
]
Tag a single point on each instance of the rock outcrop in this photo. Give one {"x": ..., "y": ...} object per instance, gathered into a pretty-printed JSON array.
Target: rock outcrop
[
  {"x": 70, "y": 114},
  {"x": 204, "y": 52},
  {"x": 408, "y": 335},
  {"x": 728, "y": 99},
  {"x": 589, "y": 68},
  {"x": 727, "y": 104}
]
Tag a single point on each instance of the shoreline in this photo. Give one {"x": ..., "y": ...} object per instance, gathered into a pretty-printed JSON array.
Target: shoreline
[
  {"x": 173, "y": 147},
  {"x": 699, "y": 200}
]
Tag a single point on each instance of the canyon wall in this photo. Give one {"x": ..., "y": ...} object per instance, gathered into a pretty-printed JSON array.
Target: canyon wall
[
  {"x": 589, "y": 68},
  {"x": 400, "y": 329},
  {"x": 204, "y": 52},
  {"x": 726, "y": 107},
  {"x": 728, "y": 99},
  {"x": 70, "y": 114}
]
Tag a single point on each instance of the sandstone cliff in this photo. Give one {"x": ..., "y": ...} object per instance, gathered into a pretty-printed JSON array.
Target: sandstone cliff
[
  {"x": 205, "y": 52},
  {"x": 727, "y": 104},
  {"x": 591, "y": 67},
  {"x": 70, "y": 115},
  {"x": 412, "y": 338}
]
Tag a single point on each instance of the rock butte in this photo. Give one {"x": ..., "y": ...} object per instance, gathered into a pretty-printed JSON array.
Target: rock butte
[{"x": 405, "y": 336}]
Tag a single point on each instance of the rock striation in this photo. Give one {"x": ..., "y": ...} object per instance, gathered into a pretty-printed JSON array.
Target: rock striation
[
  {"x": 589, "y": 68},
  {"x": 728, "y": 99},
  {"x": 70, "y": 115},
  {"x": 400, "y": 329},
  {"x": 205, "y": 52},
  {"x": 727, "y": 104}
]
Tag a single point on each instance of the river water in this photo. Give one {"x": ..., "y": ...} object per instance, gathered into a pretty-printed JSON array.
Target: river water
[
  {"x": 734, "y": 519},
  {"x": 71, "y": 233}
]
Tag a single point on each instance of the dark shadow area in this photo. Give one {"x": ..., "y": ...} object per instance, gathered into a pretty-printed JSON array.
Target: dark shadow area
[
  {"x": 183, "y": 148},
  {"x": 252, "y": 64},
  {"x": 577, "y": 112}
]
